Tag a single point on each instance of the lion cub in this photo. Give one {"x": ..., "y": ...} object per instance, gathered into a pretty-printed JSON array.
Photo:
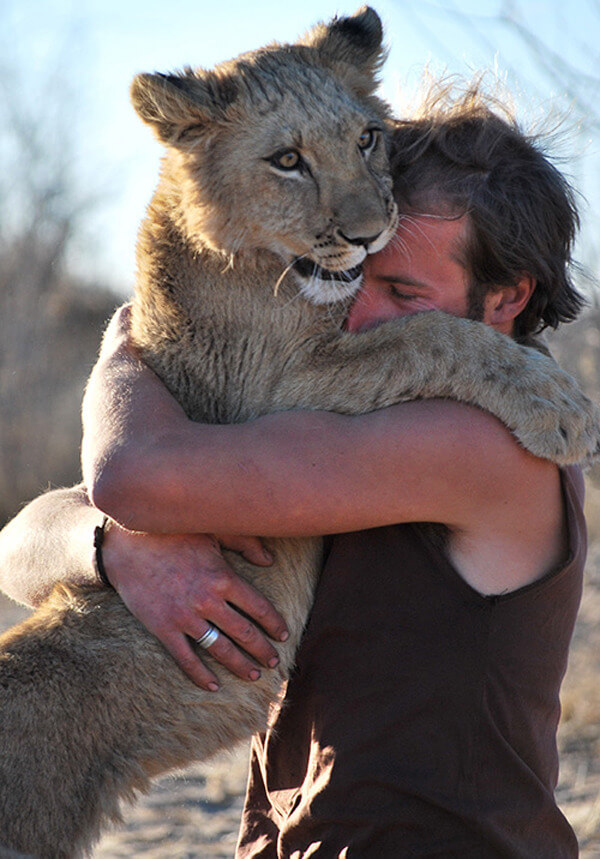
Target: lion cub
[{"x": 274, "y": 188}]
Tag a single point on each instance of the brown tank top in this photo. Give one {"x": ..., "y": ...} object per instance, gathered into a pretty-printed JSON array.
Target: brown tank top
[{"x": 421, "y": 720}]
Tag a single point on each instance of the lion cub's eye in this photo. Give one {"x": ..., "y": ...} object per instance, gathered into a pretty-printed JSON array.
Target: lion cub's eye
[
  {"x": 288, "y": 160},
  {"x": 367, "y": 139}
]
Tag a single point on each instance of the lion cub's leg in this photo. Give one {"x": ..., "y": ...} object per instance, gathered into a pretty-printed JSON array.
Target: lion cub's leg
[
  {"x": 436, "y": 355},
  {"x": 92, "y": 707}
]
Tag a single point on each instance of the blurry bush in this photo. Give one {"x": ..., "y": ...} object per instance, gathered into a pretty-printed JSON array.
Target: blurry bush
[
  {"x": 48, "y": 343},
  {"x": 50, "y": 321},
  {"x": 577, "y": 348}
]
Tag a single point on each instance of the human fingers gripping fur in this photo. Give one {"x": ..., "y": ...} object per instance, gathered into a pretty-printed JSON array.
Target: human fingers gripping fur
[{"x": 174, "y": 584}]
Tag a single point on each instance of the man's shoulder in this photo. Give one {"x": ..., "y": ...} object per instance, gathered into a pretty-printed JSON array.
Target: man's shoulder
[{"x": 513, "y": 527}]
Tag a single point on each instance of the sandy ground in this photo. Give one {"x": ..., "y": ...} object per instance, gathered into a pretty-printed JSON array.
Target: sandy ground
[{"x": 195, "y": 814}]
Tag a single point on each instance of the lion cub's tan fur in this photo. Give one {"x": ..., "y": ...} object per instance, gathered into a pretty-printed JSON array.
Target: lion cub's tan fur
[{"x": 92, "y": 707}]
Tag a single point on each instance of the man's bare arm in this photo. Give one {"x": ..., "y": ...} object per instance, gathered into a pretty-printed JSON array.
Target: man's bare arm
[
  {"x": 172, "y": 584},
  {"x": 303, "y": 473},
  {"x": 287, "y": 474}
]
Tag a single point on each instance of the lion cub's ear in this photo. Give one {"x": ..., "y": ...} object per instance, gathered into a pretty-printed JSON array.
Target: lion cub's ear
[
  {"x": 352, "y": 47},
  {"x": 176, "y": 105}
]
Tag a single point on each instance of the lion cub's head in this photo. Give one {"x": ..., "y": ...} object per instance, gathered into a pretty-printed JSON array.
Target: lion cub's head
[{"x": 282, "y": 149}]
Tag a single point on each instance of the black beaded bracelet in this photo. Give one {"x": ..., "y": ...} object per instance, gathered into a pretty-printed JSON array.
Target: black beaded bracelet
[{"x": 99, "y": 561}]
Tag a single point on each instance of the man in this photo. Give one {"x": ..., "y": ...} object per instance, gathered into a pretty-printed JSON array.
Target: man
[{"x": 422, "y": 718}]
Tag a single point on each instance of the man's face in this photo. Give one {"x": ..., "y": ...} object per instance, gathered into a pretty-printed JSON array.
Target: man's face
[{"x": 420, "y": 269}]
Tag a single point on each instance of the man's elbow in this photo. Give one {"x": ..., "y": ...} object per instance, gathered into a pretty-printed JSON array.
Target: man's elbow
[{"x": 111, "y": 489}]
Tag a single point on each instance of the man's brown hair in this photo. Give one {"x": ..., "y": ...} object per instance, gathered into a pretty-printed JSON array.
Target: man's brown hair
[{"x": 466, "y": 154}]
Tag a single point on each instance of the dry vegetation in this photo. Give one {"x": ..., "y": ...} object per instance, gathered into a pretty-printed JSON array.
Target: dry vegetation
[
  {"x": 47, "y": 349},
  {"x": 50, "y": 322}
]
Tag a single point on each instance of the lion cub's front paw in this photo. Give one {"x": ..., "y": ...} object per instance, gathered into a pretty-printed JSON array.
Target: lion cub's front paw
[{"x": 559, "y": 422}]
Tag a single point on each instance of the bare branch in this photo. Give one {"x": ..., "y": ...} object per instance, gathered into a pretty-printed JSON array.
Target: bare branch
[{"x": 561, "y": 72}]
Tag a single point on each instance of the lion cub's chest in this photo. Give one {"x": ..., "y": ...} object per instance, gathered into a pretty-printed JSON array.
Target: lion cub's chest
[{"x": 224, "y": 346}]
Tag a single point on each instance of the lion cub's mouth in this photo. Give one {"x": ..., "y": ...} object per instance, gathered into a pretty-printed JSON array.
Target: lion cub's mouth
[{"x": 309, "y": 269}]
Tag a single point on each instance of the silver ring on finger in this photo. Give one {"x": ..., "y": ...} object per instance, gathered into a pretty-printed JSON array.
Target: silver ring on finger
[{"x": 208, "y": 639}]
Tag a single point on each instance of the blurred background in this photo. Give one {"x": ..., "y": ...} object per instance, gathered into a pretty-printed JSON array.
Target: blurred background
[{"x": 77, "y": 169}]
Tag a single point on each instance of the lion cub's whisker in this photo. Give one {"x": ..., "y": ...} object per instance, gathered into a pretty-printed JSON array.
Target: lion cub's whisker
[{"x": 284, "y": 272}]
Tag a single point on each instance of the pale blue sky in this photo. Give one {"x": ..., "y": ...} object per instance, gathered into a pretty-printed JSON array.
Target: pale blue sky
[{"x": 105, "y": 42}]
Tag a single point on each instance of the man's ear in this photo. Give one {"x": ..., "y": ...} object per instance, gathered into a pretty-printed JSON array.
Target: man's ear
[{"x": 502, "y": 306}]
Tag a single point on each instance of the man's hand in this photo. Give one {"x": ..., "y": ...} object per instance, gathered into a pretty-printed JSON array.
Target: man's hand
[{"x": 177, "y": 585}]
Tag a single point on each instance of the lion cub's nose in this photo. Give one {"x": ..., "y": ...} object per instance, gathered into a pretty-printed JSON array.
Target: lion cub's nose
[{"x": 360, "y": 240}]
